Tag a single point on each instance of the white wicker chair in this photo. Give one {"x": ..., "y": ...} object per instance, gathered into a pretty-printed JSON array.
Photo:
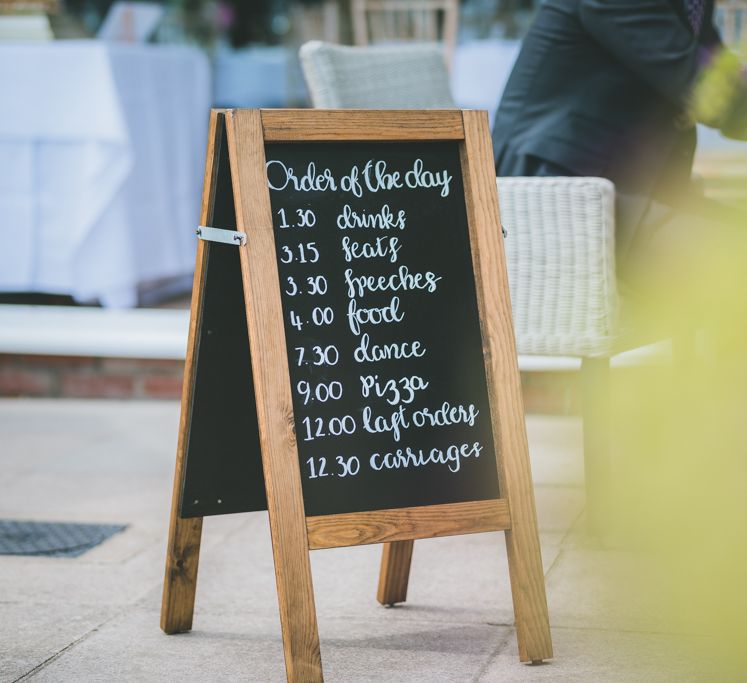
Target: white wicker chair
[
  {"x": 560, "y": 256},
  {"x": 560, "y": 253},
  {"x": 560, "y": 244},
  {"x": 380, "y": 77}
]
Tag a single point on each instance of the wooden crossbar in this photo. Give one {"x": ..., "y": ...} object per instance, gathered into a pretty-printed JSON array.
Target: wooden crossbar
[{"x": 404, "y": 524}]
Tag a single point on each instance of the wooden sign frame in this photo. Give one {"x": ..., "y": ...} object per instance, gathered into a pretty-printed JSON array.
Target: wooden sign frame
[{"x": 294, "y": 534}]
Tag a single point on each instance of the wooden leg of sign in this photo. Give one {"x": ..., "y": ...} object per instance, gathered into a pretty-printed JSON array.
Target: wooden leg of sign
[
  {"x": 528, "y": 590},
  {"x": 180, "y": 583},
  {"x": 183, "y": 553},
  {"x": 272, "y": 388},
  {"x": 507, "y": 411},
  {"x": 395, "y": 572}
]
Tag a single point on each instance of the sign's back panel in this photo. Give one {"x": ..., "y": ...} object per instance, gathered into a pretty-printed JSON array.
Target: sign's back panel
[{"x": 223, "y": 472}]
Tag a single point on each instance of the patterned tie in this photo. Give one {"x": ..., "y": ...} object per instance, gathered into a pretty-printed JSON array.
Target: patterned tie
[{"x": 695, "y": 11}]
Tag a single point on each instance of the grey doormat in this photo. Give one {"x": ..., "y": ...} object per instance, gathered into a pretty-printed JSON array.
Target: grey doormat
[{"x": 52, "y": 539}]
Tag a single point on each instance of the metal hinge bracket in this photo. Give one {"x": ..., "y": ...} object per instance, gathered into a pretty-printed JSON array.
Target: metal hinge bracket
[{"x": 218, "y": 235}]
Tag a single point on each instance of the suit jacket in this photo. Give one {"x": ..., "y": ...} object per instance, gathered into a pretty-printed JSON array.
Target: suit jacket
[{"x": 600, "y": 89}]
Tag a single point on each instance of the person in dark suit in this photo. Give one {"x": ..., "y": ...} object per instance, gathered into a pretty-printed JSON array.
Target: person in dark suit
[{"x": 609, "y": 88}]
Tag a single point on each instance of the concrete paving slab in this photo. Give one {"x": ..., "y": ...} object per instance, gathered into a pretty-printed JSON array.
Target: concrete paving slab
[
  {"x": 610, "y": 590},
  {"x": 92, "y": 435},
  {"x": 31, "y": 634},
  {"x": 612, "y": 657},
  {"x": 64, "y": 579},
  {"x": 558, "y": 507},
  {"x": 88, "y": 460},
  {"x": 96, "y": 497},
  {"x": 95, "y": 618},
  {"x": 406, "y": 650},
  {"x": 555, "y": 444},
  {"x": 232, "y": 646},
  {"x": 133, "y": 648},
  {"x": 464, "y": 577}
]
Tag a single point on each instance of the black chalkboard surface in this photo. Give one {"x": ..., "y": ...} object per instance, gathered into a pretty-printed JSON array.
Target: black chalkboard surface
[{"x": 382, "y": 329}]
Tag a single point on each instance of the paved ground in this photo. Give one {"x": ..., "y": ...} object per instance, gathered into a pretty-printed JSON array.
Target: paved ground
[{"x": 95, "y": 618}]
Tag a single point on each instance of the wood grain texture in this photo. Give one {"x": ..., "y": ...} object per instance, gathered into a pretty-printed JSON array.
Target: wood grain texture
[
  {"x": 183, "y": 550},
  {"x": 273, "y": 397},
  {"x": 180, "y": 583},
  {"x": 507, "y": 412},
  {"x": 288, "y": 125},
  {"x": 402, "y": 524},
  {"x": 394, "y": 574},
  {"x": 390, "y": 21}
]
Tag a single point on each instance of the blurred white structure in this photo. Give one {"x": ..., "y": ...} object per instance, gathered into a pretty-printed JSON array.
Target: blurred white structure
[
  {"x": 101, "y": 164},
  {"x": 480, "y": 71}
]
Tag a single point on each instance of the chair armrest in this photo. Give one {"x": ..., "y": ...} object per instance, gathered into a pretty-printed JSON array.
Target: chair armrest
[{"x": 560, "y": 253}]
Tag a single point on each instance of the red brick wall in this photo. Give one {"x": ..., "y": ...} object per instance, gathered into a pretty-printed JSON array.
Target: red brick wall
[{"x": 89, "y": 377}]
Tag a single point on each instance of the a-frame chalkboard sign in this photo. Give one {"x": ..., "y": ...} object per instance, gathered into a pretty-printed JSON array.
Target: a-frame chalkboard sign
[{"x": 351, "y": 364}]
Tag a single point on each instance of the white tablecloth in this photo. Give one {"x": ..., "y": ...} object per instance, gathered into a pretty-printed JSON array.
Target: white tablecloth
[
  {"x": 101, "y": 160},
  {"x": 257, "y": 76}
]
